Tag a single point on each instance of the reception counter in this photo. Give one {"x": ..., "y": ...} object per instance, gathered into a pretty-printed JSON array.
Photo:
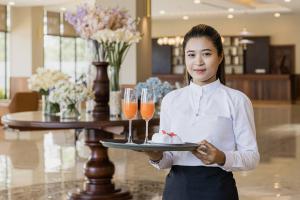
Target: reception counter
[
  {"x": 273, "y": 88},
  {"x": 263, "y": 87}
]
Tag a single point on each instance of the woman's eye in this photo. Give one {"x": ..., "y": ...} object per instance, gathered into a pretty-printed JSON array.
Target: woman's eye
[
  {"x": 191, "y": 55},
  {"x": 206, "y": 54}
]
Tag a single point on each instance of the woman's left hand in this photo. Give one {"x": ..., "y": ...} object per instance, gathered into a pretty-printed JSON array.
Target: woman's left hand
[{"x": 209, "y": 154}]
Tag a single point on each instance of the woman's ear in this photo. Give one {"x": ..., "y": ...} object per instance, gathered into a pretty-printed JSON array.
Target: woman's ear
[{"x": 221, "y": 57}]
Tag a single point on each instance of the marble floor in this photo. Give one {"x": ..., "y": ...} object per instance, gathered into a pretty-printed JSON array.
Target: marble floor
[{"x": 46, "y": 165}]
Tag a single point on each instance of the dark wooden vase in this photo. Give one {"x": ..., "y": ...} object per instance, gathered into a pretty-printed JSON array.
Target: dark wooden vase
[{"x": 101, "y": 90}]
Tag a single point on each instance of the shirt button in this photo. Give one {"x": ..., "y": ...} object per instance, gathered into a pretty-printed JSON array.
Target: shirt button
[{"x": 197, "y": 115}]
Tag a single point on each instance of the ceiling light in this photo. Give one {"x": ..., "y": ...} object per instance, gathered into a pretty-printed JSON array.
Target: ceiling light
[
  {"x": 197, "y": 1},
  {"x": 230, "y": 9},
  {"x": 287, "y": 1},
  {"x": 185, "y": 17},
  {"x": 245, "y": 32},
  {"x": 63, "y": 9},
  {"x": 276, "y": 15},
  {"x": 11, "y": 3},
  {"x": 230, "y": 16},
  {"x": 162, "y": 12},
  {"x": 246, "y": 41}
]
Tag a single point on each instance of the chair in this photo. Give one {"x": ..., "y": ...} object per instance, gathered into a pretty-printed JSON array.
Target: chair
[{"x": 21, "y": 102}]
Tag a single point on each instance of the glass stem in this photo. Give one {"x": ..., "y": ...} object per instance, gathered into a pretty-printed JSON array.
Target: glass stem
[
  {"x": 130, "y": 134},
  {"x": 146, "y": 137}
]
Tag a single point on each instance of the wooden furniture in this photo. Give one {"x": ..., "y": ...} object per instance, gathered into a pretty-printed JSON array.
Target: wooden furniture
[
  {"x": 257, "y": 55},
  {"x": 99, "y": 169},
  {"x": 18, "y": 84},
  {"x": 282, "y": 59},
  {"x": 21, "y": 101},
  {"x": 263, "y": 87},
  {"x": 233, "y": 54}
]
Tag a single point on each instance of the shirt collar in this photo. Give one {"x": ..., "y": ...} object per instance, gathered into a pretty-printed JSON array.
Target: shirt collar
[{"x": 205, "y": 89}]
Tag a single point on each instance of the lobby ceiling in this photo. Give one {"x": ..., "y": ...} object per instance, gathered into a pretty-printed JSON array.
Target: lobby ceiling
[
  {"x": 176, "y": 9},
  {"x": 170, "y": 9},
  {"x": 38, "y": 2}
]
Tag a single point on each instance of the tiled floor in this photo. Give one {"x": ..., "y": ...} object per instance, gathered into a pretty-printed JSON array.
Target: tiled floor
[{"x": 45, "y": 165}]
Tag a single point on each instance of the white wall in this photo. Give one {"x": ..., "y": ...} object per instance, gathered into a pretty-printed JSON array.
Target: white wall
[
  {"x": 26, "y": 40},
  {"x": 20, "y": 42},
  {"x": 283, "y": 30},
  {"x": 128, "y": 72}
]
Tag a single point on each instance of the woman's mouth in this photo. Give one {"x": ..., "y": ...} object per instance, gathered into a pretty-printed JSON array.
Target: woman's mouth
[{"x": 199, "y": 71}]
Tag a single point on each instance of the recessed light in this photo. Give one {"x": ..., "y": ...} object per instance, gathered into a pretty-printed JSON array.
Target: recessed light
[
  {"x": 197, "y": 1},
  {"x": 11, "y": 3},
  {"x": 230, "y": 9},
  {"x": 230, "y": 16},
  {"x": 185, "y": 17},
  {"x": 63, "y": 9},
  {"x": 276, "y": 15},
  {"x": 287, "y": 1},
  {"x": 162, "y": 12}
]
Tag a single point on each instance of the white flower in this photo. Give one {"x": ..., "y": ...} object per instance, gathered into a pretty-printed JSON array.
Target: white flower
[
  {"x": 45, "y": 79},
  {"x": 117, "y": 36},
  {"x": 66, "y": 92}
]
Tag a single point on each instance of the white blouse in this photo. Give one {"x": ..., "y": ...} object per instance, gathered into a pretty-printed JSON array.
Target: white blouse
[{"x": 216, "y": 113}]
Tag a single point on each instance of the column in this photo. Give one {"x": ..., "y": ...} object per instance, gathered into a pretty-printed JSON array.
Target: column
[{"x": 26, "y": 45}]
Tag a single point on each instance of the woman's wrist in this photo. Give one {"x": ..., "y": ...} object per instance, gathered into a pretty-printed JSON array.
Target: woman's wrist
[
  {"x": 156, "y": 158},
  {"x": 221, "y": 158}
]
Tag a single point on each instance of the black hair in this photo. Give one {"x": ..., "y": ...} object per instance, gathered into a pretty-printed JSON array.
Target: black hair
[{"x": 209, "y": 32}]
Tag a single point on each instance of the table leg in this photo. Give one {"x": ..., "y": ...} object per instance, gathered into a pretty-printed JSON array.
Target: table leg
[{"x": 99, "y": 171}]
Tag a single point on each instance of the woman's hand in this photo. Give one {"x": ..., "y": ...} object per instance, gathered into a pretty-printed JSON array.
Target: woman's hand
[
  {"x": 209, "y": 154},
  {"x": 154, "y": 155}
]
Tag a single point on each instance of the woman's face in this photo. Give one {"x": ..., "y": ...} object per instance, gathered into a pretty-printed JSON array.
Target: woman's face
[{"x": 202, "y": 60}]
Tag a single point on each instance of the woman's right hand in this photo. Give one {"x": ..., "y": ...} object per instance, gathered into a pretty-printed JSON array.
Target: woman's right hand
[{"x": 154, "y": 155}]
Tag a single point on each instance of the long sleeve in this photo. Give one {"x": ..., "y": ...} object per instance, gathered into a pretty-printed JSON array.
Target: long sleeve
[
  {"x": 246, "y": 155},
  {"x": 167, "y": 160}
]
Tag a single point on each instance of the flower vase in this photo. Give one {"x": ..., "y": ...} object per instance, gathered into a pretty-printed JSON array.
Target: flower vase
[
  {"x": 101, "y": 90},
  {"x": 49, "y": 108},
  {"x": 70, "y": 112},
  {"x": 114, "y": 92}
]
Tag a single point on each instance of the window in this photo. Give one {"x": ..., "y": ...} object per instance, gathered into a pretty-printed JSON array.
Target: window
[
  {"x": 52, "y": 52},
  {"x": 68, "y": 57},
  {"x": 66, "y": 54},
  {"x": 63, "y": 51},
  {"x": 81, "y": 55},
  {"x": 4, "y": 12},
  {"x": 2, "y": 65}
]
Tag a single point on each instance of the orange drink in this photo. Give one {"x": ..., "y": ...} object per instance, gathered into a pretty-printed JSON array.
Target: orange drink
[
  {"x": 147, "y": 110},
  {"x": 129, "y": 109},
  {"x": 129, "y": 106}
]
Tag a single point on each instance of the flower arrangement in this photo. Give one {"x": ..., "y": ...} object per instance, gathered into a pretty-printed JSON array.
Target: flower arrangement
[
  {"x": 45, "y": 79},
  {"x": 113, "y": 31},
  {"x": 43, "y": 82},
  {"x": 160, "y": 88},
  {"x": 67, "y": 93}
]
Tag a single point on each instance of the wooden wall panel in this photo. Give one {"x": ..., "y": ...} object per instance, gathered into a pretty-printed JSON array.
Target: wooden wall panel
[{"x": 262, "y": 87}]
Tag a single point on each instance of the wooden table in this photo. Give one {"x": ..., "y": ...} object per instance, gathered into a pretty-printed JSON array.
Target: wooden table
[{"x": 98, "y": 170}]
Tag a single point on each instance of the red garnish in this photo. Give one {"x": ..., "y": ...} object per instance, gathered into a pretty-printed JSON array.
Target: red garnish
[
  {"x": 163, "y": 132},
  {"x": 172, "y": 134}
]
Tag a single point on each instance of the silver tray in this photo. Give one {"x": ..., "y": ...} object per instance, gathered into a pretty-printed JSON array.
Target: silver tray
[{"x": 139, "y": 146}]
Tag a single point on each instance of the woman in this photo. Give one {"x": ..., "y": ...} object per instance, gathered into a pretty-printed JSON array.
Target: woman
[{"x": 207, "y": 112}]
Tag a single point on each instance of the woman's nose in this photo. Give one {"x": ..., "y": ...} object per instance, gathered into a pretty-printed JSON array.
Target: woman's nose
[{"x": 199, "y": 60}]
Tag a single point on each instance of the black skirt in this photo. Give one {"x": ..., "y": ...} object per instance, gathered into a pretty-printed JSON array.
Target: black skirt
[{"x": 199, "y": 183}]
